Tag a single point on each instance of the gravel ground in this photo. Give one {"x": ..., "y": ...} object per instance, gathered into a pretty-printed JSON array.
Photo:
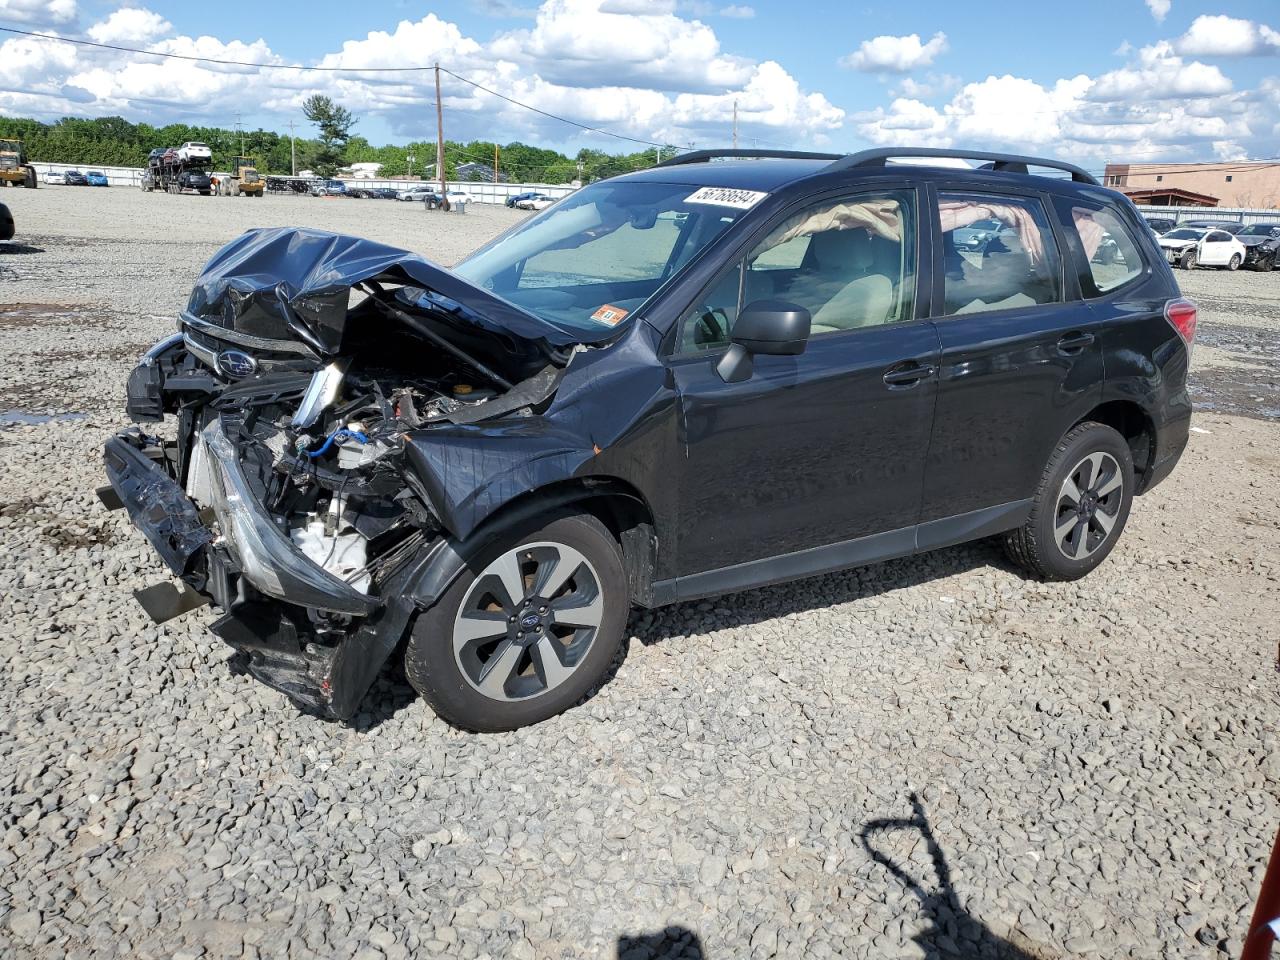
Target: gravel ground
[{"x": 930, "y": 757}]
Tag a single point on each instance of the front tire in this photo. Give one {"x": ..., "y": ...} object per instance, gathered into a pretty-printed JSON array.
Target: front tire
[
  {"x": 1188, "y": 260},
  {"x": 527, "y": 631},
  {"x": 1080, "y": 507}
]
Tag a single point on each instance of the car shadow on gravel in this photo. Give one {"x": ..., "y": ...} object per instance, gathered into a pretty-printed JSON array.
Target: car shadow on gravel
[
  {"x": 13, "y": 247},
  {"x": 672, "y": 943},
  {"x": 761, "y": 604},
  {"x": 952, "y": 931},
  {"x": 392, "y": 693}
]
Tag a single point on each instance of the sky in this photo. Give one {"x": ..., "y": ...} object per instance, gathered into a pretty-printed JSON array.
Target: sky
[{"x": 1121, "y": 80}]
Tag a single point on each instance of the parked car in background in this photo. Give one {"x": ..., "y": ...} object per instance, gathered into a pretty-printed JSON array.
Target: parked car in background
[
  {"x": 96, "y": 178},
  {"x": 512, "y": 201},
  {"x": 493, "y": 464},
  {"x": 384, "y": 193},
  {"x": 55, "y": 176},
  {"x": 75, "y": 178},
  {"x": 1228, "y": 225},
  {"x": 1261, "y": 245},
  {"x": 195, "y": 150},
  {"x": 1191, "y": 247},
  {"x": 7, "y": 228},
  {"x": 417, "y": 193},
  {"x": 1160, "y": 224},
  {"x": 329, "y": 188},
  {"x": 196, "y": 181},
  {"x": 539, "y": 201},
  {"x": 976, "y": 236}
]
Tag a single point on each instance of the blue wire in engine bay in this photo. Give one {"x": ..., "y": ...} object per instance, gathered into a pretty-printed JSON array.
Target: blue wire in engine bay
[{"x": 337, "y": 436}]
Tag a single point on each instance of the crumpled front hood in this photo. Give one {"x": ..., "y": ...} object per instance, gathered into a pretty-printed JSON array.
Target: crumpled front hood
[{"x": 291, "y": 283}]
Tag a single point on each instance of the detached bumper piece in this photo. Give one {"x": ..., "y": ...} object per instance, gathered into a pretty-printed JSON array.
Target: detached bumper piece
[{"x": 269, "y": 592}]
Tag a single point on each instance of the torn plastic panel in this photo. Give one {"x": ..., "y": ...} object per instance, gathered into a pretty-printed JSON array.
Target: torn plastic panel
[{"x": 155, "y": 503}]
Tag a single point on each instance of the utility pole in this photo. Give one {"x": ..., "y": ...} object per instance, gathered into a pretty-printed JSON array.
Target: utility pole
[
  {"x": 293, "y": 153},
  {"x": 410, "y": 157},
  {"x": 444, "y": 189},
  {"x": 495, "y": 163},
  {"x": 240, "y": 130},
  {"x": 658, "y": 151},
  {"x": 735, "y": 124}
]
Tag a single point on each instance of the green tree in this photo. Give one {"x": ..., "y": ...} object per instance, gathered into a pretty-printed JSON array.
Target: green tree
[{"x": 334, "y": 123}]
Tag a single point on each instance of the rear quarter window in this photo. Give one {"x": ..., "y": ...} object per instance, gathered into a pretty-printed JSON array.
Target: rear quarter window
[{"x": 1110, "y": 249}]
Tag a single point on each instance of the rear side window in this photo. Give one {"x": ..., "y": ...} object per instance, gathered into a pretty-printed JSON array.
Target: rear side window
[
  {"x": 1108, "y": 245},
  {"x": 998, "y": 253}
]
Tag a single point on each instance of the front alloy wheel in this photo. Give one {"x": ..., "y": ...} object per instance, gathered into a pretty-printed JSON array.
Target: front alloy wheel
[
  {"x": 1189, "y": 260},
  {"x": 527, "y": 630},
  {"x": 528, "y": 621}
]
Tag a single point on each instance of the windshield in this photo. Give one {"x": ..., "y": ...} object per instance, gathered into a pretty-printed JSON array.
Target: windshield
[
  {"x": 597, "y": 255},
  {"x": 1184, "y": 233},
  {"x": 1259, "y": 230}
]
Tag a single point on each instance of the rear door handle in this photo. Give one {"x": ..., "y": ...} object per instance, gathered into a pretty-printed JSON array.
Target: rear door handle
[
  {"x": 908, "y": 374},
  {"x": 1074, "y": 342}
]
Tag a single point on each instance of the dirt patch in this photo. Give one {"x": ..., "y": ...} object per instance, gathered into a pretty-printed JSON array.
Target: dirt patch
[{"x": 37, "y": 314}]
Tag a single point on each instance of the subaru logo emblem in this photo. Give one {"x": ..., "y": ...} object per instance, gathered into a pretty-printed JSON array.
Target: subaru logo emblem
[
  {"x": 236, "y": 364},
  {"x": 530, "y": 620}
]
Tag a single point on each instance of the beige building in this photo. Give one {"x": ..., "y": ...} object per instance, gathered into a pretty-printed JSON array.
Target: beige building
[{"x": 1241, "y": 183}]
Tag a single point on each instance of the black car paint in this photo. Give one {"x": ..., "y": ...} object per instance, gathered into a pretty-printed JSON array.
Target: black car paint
[
  {"x": 6, "y": 223},
  {"x": 813, "y": 463}
]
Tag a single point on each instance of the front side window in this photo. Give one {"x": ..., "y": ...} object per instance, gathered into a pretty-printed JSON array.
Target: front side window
[
  {"x": 1014, "y": 265},
  {"x": 1108, "y": 245},
  {"x": 850, "y": 262}
]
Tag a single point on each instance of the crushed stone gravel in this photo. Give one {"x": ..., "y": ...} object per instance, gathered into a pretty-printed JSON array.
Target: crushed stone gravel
[{"x": 928, "y": 757}]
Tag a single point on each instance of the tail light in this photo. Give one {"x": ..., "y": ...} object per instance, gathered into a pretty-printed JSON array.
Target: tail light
[{"x": 1182, "y": 315}]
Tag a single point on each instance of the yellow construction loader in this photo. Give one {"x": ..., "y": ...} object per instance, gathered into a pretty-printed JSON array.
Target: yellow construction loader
[
  {"x": 14, "y": 169},
  {"x": 245, "y": 180}
]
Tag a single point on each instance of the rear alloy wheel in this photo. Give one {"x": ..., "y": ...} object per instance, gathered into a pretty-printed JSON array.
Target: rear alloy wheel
[
  {"x": 1234, "y": 262},
  {"x": 1080, "y": 508},
  {"x": 527, "y": 631},
  {"x": 1188, "y": 260}
]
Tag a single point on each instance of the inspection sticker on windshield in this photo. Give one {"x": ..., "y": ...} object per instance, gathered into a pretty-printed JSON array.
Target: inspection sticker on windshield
[
  {"x": 609, "y": 315},
  {"x": 726, "y": 197}
]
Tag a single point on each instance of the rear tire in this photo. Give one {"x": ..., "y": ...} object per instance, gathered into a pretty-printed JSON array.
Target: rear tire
[
  {"x": 1234, "y": 262},
  {"x": 31, "y": 182},
  {"x": 1080, "y": 507},
  {"x": 488, "y": 661}
]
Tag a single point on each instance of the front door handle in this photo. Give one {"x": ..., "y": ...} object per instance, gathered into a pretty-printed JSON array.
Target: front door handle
[
  {"x": 908, "y": 374},
  {"x": 1074, "y": 342}
]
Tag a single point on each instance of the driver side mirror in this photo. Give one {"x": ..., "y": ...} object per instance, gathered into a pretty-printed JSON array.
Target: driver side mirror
[{"x": 772, "y": 327}]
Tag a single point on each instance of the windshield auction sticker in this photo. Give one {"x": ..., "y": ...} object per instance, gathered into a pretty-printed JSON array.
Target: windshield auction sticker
[
  {"x": 609, "y": 315},
  {"x": 726, "y": 197}
]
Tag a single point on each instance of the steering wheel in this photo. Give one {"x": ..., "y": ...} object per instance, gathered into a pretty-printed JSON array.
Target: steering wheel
[{"x": 713, "y": 324}]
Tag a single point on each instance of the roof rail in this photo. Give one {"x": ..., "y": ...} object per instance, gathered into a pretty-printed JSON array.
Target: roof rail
[
  {"x": 702, "y": 156},
  {"x": 1006, "y": 162}
]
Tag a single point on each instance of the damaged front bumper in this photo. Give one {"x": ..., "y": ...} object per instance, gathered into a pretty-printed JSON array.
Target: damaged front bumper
[{"x": 274, "y": 599}]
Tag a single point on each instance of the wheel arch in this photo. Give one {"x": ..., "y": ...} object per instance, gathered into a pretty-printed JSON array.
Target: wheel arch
[
  {"x": 1135, "y": 424},
  {"x": 617, "y": 504}
]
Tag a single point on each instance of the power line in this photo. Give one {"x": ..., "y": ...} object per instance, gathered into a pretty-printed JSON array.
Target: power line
[
  {"x": 575, "y": 123},
  {"x": 228, "y": 63}
]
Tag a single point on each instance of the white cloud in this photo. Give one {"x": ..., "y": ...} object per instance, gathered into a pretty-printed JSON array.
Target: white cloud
[
  {"x": 1159, "y": 8},
  {"x": 738, "y": 11},
  {"x": 895, "y": 54},
  {"x": 41, "y": 13},
  {"x": 130, "y": 25},
  {"x": 1160, "y": 74},
  {"x": 933, "y": 85},
  {"x": 1219, "y": 36},
  {"x": 632, "y": 66}
]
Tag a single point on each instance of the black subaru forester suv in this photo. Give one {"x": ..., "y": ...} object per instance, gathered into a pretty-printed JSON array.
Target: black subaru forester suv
[{"x": 729, "y": 370}]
